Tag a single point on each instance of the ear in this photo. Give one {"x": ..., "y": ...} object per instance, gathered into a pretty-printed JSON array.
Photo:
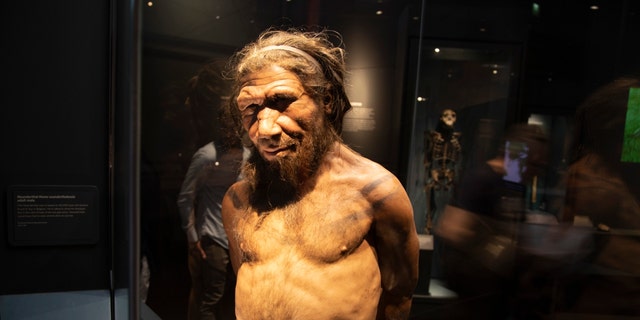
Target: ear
[{"x": 326, "y": 103}]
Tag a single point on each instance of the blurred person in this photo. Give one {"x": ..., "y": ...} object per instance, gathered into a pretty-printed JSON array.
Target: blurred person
[
  {"x": 606, "y": 190},
  {"x": 214, "y": 167},
  {"x": 478, "y": 227},
  {"x": 316, "y": 231}
]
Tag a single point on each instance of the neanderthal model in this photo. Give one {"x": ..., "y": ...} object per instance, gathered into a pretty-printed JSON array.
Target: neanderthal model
[{"x": 442, "y": 155}]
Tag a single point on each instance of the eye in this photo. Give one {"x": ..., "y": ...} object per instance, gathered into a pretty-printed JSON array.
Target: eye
[
  {"x": 249, "y": 114},
  {"x": 249, "y": 110},
  {"x": 280, "y": 102}
]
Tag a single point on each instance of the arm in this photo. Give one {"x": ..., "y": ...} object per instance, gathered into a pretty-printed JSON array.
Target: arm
[
  {"x": 457, "y": 137},
  {"x": 397, "y": 247},
  {"x": 187, "y": 195},
  {"x": 186, "y": 198},
  {"x": 428, "y": 149}
]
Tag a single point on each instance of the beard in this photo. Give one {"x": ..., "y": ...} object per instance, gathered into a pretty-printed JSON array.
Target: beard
[{"x": 279, "y": 182}]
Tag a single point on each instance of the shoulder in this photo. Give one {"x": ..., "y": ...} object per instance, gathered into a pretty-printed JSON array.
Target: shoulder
[
  {"x": 435, "y": 135},
  {"x": 236, "y": 197},
  {"x": 205, "y": 153},
  {"x": 390, "y": 205},
  {"x": 374, "y": 181}
]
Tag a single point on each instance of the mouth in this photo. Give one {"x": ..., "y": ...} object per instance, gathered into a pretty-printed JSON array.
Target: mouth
[{"x": 273, "y": 152}]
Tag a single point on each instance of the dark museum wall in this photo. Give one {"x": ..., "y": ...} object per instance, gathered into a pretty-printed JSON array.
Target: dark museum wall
[{"x": 55, "y": 119}]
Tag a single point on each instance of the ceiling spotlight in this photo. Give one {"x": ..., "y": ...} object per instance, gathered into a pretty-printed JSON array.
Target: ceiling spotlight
[
  {"x": 594, "y": 7},
  {"x": 150, "y": 4},
  {"x": 379, "y": 12},
  {"x": 436, "y": 50}
]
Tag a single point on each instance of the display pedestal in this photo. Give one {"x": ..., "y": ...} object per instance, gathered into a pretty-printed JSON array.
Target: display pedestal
[
  {"x": 424, "y": 276},
  {"x": 430, "y": 296}
]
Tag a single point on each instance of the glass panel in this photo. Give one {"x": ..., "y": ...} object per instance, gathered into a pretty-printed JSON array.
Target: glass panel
[{"x": 493, "y": 63}]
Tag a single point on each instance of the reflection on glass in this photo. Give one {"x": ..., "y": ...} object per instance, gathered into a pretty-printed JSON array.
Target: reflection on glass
[{"x": 459, "y": 77}]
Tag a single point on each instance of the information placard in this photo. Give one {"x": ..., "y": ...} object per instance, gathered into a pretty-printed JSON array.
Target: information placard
[{"x": 53, "y": 215}]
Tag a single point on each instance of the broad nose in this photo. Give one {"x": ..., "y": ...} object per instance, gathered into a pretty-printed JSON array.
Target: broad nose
[{"x": 268, "y": 123}]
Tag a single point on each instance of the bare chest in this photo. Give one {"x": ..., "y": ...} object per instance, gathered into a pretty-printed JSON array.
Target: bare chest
[{"x": 322, "y": 227}]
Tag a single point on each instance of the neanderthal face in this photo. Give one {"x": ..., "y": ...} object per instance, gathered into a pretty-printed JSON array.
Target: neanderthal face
[
  {"x": 287, "y": 127},
  {"x": 448, "y": 117}
]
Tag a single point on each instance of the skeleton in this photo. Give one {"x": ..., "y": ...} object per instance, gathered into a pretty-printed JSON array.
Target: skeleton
[{"x": 442, "y": 152}]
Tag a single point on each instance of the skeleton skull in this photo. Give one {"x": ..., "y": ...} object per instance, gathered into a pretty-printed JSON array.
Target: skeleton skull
[{"x": 448, "y": 117}]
